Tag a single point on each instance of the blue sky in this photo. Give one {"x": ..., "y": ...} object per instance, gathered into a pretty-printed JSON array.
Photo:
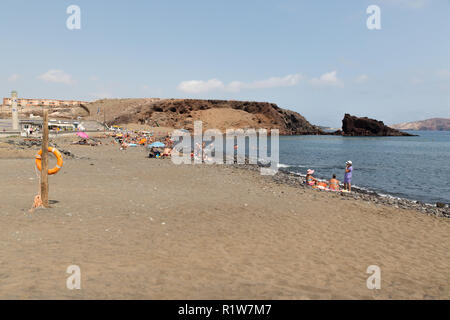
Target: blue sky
[{"x": 314, "y": 57}]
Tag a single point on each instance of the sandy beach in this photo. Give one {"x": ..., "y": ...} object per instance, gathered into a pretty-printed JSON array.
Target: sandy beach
[{"x": 144, "y": 228}]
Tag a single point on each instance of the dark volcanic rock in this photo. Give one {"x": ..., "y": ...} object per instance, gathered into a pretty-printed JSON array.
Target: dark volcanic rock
[
  {"x": 354, "y": 126},
  {"x": 440, "y": 205}
]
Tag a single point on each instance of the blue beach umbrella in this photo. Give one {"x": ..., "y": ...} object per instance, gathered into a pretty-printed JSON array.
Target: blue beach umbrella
[{"x": 156, "y": 144}]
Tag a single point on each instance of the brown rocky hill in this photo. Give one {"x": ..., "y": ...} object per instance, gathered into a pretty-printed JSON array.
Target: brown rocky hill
[
  {"x": 215, "y": 114},
  {"x": 435, "y": 124},
  {"x": 354, "y": 126}
]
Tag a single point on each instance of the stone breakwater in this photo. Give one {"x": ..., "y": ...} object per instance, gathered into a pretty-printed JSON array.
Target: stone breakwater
[{"x": 295, "y": 180}]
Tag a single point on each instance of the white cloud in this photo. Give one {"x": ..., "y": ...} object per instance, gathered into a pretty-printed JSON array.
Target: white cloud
[
  {"x": 327, "y": 79},
  {"x": 274, "y": 82},
  {"x": 443, "y": 73},
  {"x": 14, "y": 77},
  {"x": 151, "y": 90},
  {"x": 199, "y": 86},
  {"x": 362, "y": 78},
  {"x": 56, "y": 76},
  {"x": 416, "y": 80}
]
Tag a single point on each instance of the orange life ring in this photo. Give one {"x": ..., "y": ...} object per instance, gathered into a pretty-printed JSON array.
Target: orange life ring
[{"x": 59, "y": 159}]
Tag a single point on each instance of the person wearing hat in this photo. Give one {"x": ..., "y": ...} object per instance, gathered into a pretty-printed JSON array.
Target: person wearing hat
[
  {"x": 348, "y": 176},
  {"x": 310, "y": 180}
]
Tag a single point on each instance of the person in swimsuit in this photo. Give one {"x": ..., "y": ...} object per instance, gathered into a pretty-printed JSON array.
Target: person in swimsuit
[
  {"x": 310, "y": 180},
  {"x": 348, "y": 176},
  {"x": 334, "y": 184}
]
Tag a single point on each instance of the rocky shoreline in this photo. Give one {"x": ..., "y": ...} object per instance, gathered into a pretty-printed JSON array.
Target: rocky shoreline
[{"x": 440, "y": 210}]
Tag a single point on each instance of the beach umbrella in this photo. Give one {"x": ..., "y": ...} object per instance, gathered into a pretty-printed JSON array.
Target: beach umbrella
[
  {"x": 82, "y": 135},
  {"x": 157, "y": 144}
]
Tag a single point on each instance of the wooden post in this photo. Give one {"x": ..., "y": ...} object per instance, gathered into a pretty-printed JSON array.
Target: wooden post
[
  {"x": 44, "y": 171},
  {"x": 104, "y": 119}
]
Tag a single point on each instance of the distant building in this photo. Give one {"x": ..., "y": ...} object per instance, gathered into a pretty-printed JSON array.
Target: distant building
[
  {"x": 42, "y": 102},
  {"x": 36, "y": 124}
]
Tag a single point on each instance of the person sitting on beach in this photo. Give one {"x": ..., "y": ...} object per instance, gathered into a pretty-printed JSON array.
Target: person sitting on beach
[
  {"x": 167, "y": 152},
  {"x": 348, "y": 176},
  {"x": 154, "y": 153},
  {"x": 124, "y": 146},
  {"x": 310, "y": 180},
  {"x": 334, "y": 184}
]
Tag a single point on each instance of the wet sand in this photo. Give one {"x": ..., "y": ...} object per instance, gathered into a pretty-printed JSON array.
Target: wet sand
[{"x": 147, "y": 229}]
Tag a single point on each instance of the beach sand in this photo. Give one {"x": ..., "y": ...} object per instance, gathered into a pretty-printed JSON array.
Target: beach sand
[{"x": 141, "y": 228}]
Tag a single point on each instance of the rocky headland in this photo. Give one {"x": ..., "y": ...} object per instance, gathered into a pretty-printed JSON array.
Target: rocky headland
[
  {"x": 215, "y": 114},
  {"x": 355, "y": 126},
  {"x": 435, "y": 124}
]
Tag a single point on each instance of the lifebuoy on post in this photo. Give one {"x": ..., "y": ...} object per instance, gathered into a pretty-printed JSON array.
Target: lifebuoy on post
[{"x": 59, "y": 159}]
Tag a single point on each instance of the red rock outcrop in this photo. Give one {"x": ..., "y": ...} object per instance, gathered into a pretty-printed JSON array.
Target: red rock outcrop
[{"x": 354, "y": 126}]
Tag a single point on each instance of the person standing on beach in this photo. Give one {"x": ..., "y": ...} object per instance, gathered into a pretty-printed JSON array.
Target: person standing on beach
[{"x": 348, "y": 176}]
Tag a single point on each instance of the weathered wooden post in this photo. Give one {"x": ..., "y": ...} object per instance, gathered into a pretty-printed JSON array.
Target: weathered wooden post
[
  {"x": 44, "y": 171},
  {"x": 104, "y": 119}
]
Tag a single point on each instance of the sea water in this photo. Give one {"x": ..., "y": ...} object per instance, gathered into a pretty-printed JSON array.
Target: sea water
[{"x": 416, "y": 168}]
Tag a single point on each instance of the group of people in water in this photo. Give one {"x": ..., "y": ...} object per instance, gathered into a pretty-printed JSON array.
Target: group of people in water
[{"x": 333, "y": 184}]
